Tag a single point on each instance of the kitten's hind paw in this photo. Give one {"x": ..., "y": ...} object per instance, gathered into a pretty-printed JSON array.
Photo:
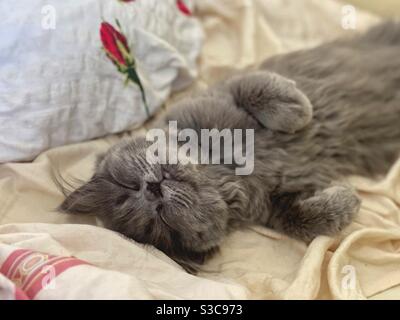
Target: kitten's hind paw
[
  {"x": 273, "y": 100},
  {"x": 328, "y": 212}
]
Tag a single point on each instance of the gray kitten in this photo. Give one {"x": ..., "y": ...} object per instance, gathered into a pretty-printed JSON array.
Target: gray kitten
[{"x": 318, "y": 115}]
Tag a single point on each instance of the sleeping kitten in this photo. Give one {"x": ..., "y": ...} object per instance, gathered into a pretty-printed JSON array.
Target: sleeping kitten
[{"x": 318, "y": 115}]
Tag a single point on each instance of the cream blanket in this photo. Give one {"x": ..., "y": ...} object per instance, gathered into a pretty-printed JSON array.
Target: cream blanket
[{"x": 364, "y": 262}]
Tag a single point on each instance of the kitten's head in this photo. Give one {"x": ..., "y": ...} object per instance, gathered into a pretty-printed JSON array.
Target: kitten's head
[{"x": 177, "y": 208}]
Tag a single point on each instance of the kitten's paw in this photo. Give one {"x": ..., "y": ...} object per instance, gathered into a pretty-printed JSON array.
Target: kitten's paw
[
  {"x": 273, "y": 100},
  {"x": 288, "y": 116},
  {"x": 329, "y": 211}
]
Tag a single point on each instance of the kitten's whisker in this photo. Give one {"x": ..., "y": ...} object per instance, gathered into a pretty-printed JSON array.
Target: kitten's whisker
[
  {"x": 145, "y": 164},
  {"x": 169, "y": 189},
  {"x": 180, "y": 201},
  {"x": 166, "y": 222},
  {"x": 185, "y": 197},
  {"x": 139, "y": 164}
]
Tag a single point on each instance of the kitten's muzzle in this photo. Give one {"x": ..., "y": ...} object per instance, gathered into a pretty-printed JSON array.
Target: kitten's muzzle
[{"x": 154, "y": 189}]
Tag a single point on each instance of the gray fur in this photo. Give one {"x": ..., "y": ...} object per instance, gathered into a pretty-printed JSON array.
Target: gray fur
[{"x": 339, "y": 114}]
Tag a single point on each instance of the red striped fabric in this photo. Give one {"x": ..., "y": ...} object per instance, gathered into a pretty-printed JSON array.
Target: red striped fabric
[{"x": 34, "y": 271}]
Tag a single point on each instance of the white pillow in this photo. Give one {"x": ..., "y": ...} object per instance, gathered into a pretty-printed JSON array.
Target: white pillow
[{"x": 57, "y": 86}]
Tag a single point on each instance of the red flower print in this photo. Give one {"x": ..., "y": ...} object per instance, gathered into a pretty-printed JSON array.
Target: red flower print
[
  {"x": 183, "y": 8},
  {"x": 117, "y": 49},
  {"x": 113, "y": 41}
]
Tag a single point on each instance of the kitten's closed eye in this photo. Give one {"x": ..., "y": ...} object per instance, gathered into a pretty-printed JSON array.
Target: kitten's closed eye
[
  {"x": 121, "y": 199},
  {"x": 131, "y": 185}
]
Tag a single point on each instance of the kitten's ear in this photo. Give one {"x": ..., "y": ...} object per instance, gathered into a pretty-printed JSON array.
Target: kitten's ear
[{"x": 83, "y": 200}]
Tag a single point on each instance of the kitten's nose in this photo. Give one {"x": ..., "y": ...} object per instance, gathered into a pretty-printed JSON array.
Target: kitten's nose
[{"x": 154, "y": 188}]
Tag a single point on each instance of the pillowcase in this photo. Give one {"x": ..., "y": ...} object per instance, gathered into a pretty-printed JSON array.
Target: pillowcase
[{"x": 57, "y": 84}]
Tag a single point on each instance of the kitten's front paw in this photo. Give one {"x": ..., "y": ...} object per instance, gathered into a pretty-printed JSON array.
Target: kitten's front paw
[
  {"x": 273, "y": 100},
  {"x": 329, "y": 211}
]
